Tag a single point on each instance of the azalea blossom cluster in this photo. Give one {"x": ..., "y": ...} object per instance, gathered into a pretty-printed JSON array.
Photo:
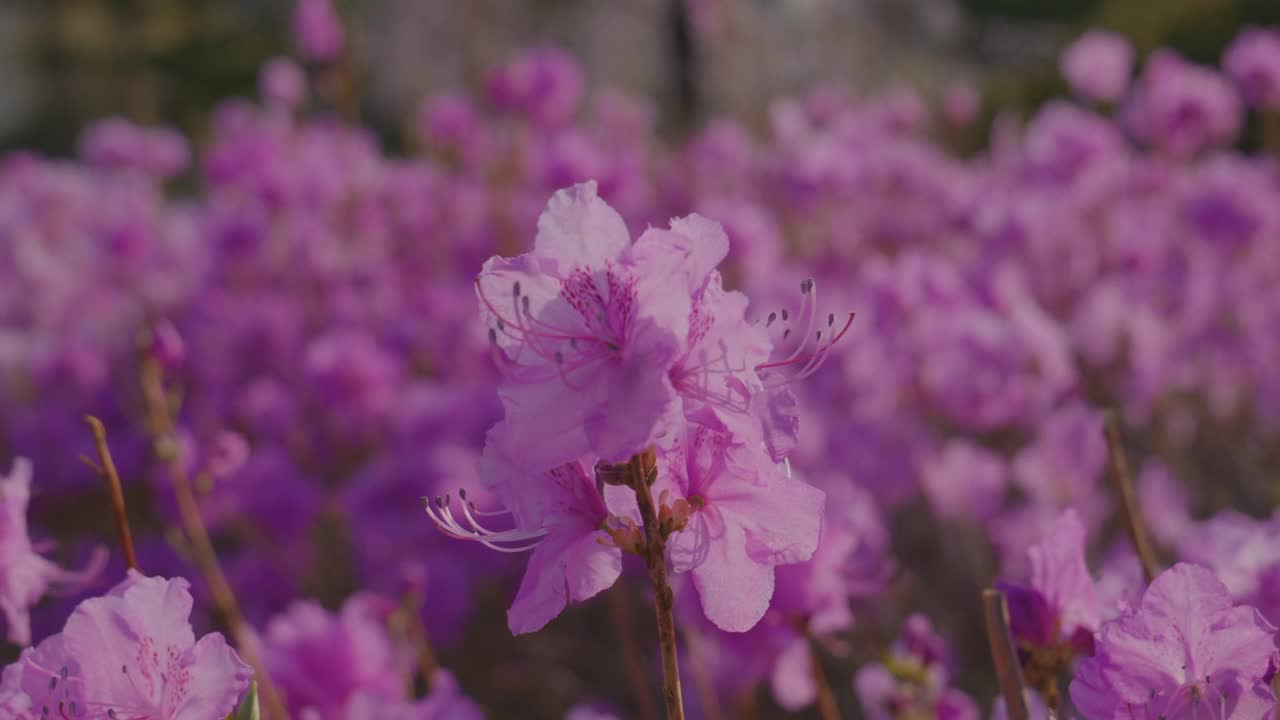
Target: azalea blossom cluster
[{"x": 509, "y": 323}]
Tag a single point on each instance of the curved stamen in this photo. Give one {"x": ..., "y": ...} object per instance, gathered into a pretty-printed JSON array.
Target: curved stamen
[{"x": 441, "y": 514}]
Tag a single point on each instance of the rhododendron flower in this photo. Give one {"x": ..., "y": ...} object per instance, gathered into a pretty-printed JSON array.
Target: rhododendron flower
[
  {"x": 586, "y": 329},
  {"x": 1253, "y": 62},
  {"x": 318, "y": 30},
  {"x": 1185, "y": 652},
  {"x": 746, "y": 517},
  {"x": 1061, "y": 602},
  {"x": 129, "y": 655},
  {"x": 562, "y": 516},
  {"x": 302, "y": 643},
  {"x": 1182, "y": 108},
  {"x": 914, "y": 679},
  {"x": 25, "y": 576},
  {"x": 1098, "y": 65}
]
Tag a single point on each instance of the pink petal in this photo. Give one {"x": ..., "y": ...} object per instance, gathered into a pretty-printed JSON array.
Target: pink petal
[{"x": 578, "y": 228}]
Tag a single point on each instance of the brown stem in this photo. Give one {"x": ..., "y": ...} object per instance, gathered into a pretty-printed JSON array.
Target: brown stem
[
  {"x": 1122, "y": 478},
  {"x": 640, "y": 470},
  {"x": 107, "y": 469},
  {"x": 827, "y": 707},
  {"x": 637, "y": 675},
  {"x": 1008, "y": 671},
  {"x": 206, "y": 558}
]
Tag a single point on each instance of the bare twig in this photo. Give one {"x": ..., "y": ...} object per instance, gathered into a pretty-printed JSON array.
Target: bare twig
[
  {"x": 106, "y": 468},
  {"x": 1122, "y": 478},
  {"x": 206, "y": 558},
  {"x": 1008, "y": 671},
  {"x": 640, "y": 469}
]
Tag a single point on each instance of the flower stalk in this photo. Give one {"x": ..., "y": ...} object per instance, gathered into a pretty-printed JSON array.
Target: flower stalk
[
  {"x": 160, "y": 422},
  {"x": 641, "y": 471},
  {"x": 1003, "y": 654},
  {"x": 106, "y": 468},
  {"x": 1122, "y": 478}
]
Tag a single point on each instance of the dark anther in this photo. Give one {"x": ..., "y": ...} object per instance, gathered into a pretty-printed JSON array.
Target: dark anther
[
  {"x": 785, "y": 333},
  {"x": 831, "y": 319},
  {"x": 772, "y": 316},
  {"x": 493, "y": 335},
  {"x": 785, "y": 314},
  {"x": 515, "y": 288},
  {"x": 559, "y": 358}
]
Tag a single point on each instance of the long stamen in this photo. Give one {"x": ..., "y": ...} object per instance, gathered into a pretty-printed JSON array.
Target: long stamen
[
  {"x": 814, "y": 359},
  {"x": 441, "y": 514}
]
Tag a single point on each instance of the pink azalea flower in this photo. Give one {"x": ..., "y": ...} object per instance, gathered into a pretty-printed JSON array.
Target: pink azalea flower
[
  {"x": 586, "y": 329},
  {"x": 302, "y": 643},
  {"x": 1061, "y": 602},
  {"x": 25, "y": 576},
  {"x": 561, "y": 515},
  {"x": 129, "y": 655},
  {"x": 1185, "y": 652},
  {"x": 747, "y": 517},
  {"x": 1098, "y": 65}
]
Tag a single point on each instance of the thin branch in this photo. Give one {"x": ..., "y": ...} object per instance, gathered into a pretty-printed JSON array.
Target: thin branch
[
  {"x": 1122, "y": 478},
  {"x": 206, "y": 558},
  {"x": 106, "y": 469},
  {"x": 1008, "y": 671},
  {"x": 641, "y": 469}
]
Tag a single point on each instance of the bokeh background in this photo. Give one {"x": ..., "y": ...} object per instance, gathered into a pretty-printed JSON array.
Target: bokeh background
[
  {"x": 65, "y": 62},
  {"x": 319, "y": 274}
]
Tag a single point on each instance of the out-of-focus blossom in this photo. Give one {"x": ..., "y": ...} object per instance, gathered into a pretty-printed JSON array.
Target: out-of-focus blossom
[
  {"x": 317, "y": 30},
  {"x": 1253, "y": 62},
  {"x": 965, "y": 482},
  {"x": 1098, "y": 65},
  {"x": 25, "y": 575},
  {"x": 913, "y": 679},
  {"x": 1182, "y": 108},
  {"x": 282, "y": 83},
  {"x": 302, "y": 647}
]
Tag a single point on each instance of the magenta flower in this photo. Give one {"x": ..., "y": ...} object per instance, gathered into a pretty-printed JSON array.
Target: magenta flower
[
  {"x": 130, "y": 655},
  {"x": 318, "y": 30},
  {"x": 1061, "y": 603},
  {"x": 1253, "y": 62},
  {"x": 1185, "y": 652},
  {"x": 301, "y": 646},
  {"x": 747, "y": 517},
  {"x": 586, "y": 329},
  {"x": 561, "y": 515},
  {"x": 25, "y": 576},
  {"x": 1098, "y": 65},
  {"x": 1182, "y": 108},
  {"x": 914, "y": 679}
]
